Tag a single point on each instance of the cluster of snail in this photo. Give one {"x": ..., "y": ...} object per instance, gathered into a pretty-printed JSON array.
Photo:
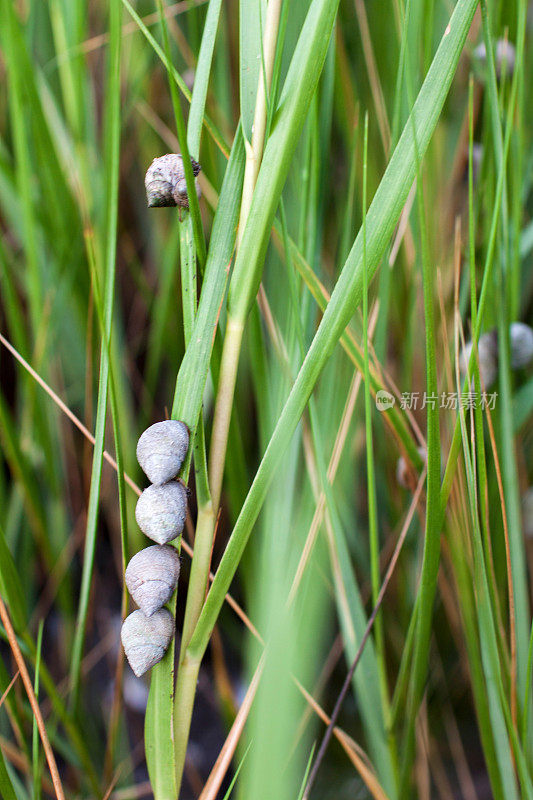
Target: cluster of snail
[
  {"x": 152, "y": 574},
  {"x": 521, "y": 352}
]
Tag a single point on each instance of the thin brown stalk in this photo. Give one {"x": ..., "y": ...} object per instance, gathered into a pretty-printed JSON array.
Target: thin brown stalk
[
  {"x": 510, "y": 589},
  {"x": 336, "y": 453},
  {"x": 95, "y": 42},
  {"x": 54, "y": 772},
  {"x": 214, "y": 782},
  {"x": 346, "y": 685},
  {"x": 9, "y": 687},
  {"x": 356, "y": 755},
  {"x": 373, "y": 76}
]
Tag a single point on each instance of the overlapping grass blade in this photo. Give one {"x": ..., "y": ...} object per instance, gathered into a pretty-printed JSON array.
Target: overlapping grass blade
[{"x": 382, "y": 217}]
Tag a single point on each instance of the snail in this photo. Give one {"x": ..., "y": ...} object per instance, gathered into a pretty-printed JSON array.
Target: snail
[
  {"x": 477, "y": 157},
  {"x": 504, "y": 56},
  {"x": 161, "y": 511},
  {"x": 165, "y": 181},
  {"x": 527, "y": 512},
  {"x": 487, "y": 353},
  {"x": 146, "y": 639},
  {"x": 152, "y": 576},
  {"x": 404, "y": 474},
  {"x": 161, "y": 450},
  {"x": 521, "y": 342}
]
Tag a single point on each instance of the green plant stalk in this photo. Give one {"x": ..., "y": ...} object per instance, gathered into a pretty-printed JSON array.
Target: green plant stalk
[
  {"x": 201, "y": 78},
  {"x": 37, "y": 764},
  {"x": 431, "y": 555},
  {"x": 215, "y": 134},
  {"x": 115, "y": 711},
  {"x": 487, "y": 276},
  {"x": 382, "y": 217},
  {"x": 371, "y": 478},
  {"x": 522, "y": 620},
  {"x": 235, "y": 327},
  {"x": 393, "y": 416},
  {"x": 194, "y": 206},
  {"x": 207, "y": 511},
  {"x": 497, "y": 701},
  {"x": 113, "y": 129},
  {"x": 349, "y": 604},
  {"x": 254, "y": 152}
]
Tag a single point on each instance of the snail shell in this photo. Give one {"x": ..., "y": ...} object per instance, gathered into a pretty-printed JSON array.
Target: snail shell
[
  {"x": 504, "y": 54},
  {"x": 487, "y": 351},
  {"x": 527, "y": 512},
  {"x": 404, "y": 475},
  {"x": 152, "y": 576},
  {"x": 146, "y": 639},
  {"x": 161, "y": 450},
  {"x": 162, "y": 179},
  {"x": 477, "y": 158},
  {"x": 161, "y": 511},
  {"x": 521, "y": 340}
]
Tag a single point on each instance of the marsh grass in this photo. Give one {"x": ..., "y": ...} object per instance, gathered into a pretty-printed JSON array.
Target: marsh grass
[{"x": 268, "y": 319}]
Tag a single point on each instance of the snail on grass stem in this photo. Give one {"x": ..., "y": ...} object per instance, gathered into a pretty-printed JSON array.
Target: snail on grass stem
[
  {"x": 146, "y": 639},
  {"x": 165, "y": 182}
]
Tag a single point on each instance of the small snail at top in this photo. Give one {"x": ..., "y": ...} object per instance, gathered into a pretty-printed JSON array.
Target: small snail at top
[
  {"x": 165, "y": 182},
  {"x": 504, "y": 57}
]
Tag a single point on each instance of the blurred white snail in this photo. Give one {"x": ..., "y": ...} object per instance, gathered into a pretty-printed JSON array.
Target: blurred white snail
[
  {"x": 487, "y": 353},
  {"x": 404, "y": 475},
  {"x": 477, "y": 158},
  {"x": 152, "y": 576},
  {"x": 504, "y": 56},
  {"x": 146, "y": 639},
  {"x": 527, "y": 513},
  {"x": 161, "y": 511},
  {"x": 161, "y": 450},
  {"x": 521, "y": 343},
  {"x": 165, "y": 181}
]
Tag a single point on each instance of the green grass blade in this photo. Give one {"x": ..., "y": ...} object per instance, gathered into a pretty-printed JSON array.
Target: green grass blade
[
  {"x": 11, "y": 587},
  {"x": 210, "y": 126},
  {"x": 112, "y": 130},
  {"x": 201, "y": 78},
  {"x": 6, "y": 787},
  {"x": 37, "y": 765},
  {"x": 251, "y": 14},
  {"x": 193, "y": 371},
  {"x": 298, "y": 90}
]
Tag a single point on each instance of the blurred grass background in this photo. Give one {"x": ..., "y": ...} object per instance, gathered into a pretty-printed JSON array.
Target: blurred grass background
[{"x": 68, "y": 177}]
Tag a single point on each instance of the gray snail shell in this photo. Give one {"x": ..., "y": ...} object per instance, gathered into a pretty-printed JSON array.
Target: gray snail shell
[
  {"x": 487, "y": 352},
  {"x": 145, "y": 639},
  {"x": 521, "y": 343},
  {"x": 161, "y": 511},
  {"x": 161, "y": 450},
  {"x": 504, "y": 56},
  {"x": 477, "y": 158},
  {"x": 404, "y": 476},
  {"x": 164, "y": 177},
  {"x": 527, "y": 512},
  {"x": 152, "y": 576}
]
